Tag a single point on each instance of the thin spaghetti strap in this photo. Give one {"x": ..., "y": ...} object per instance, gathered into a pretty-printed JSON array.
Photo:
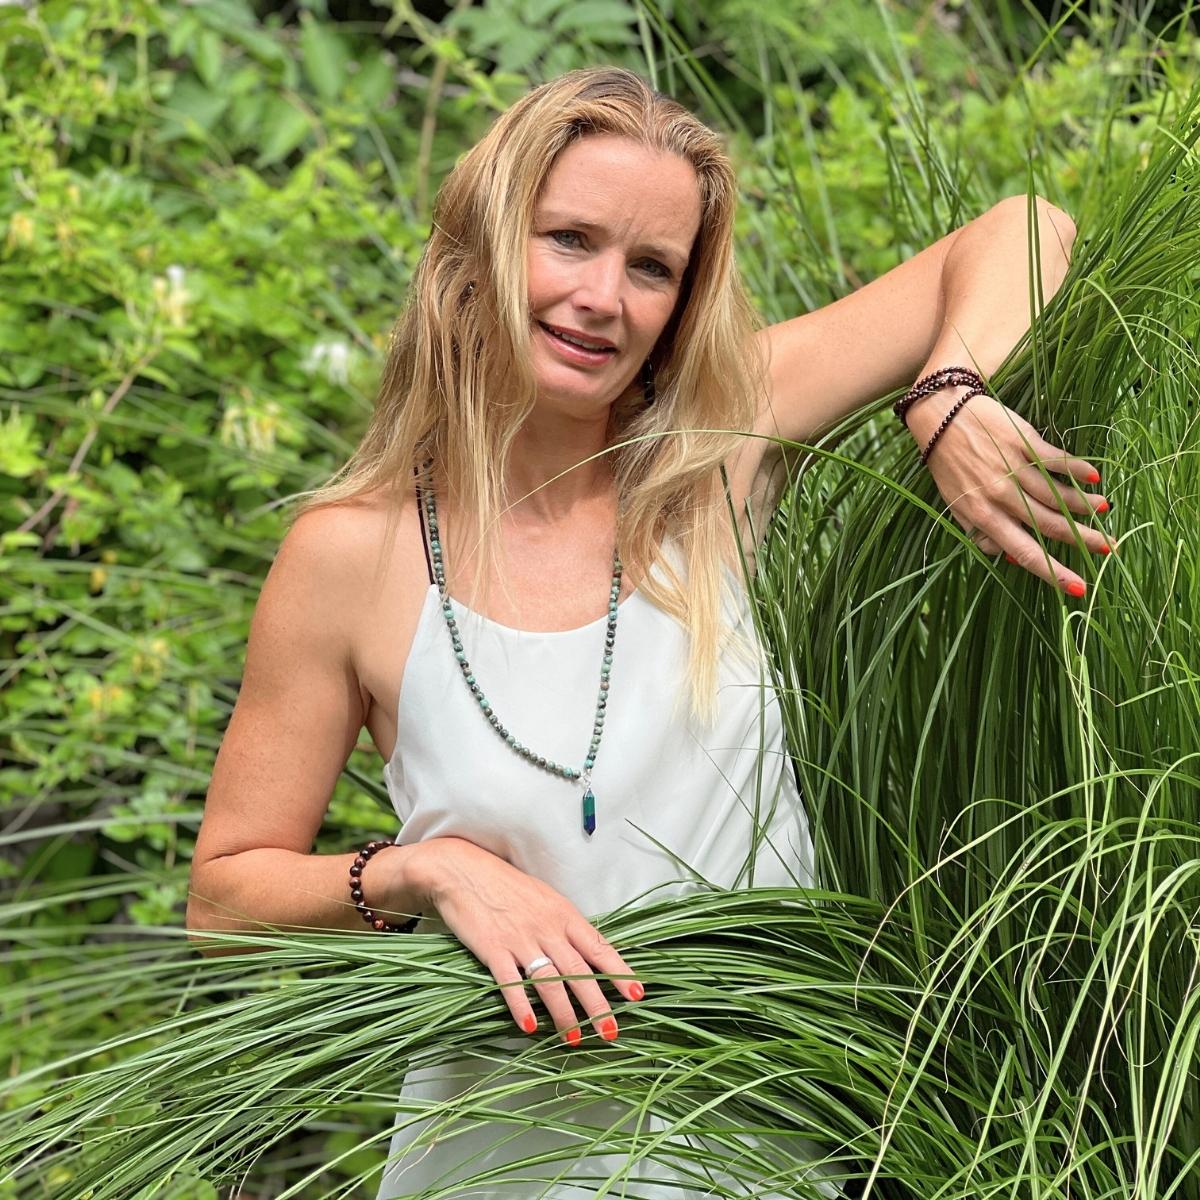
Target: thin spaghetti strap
[{"x": 424, "y": 533}]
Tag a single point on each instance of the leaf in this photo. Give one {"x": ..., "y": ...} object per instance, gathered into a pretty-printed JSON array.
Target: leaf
[
  {"x": 373, "y": 82},
  {"x": 182, "y": 31},
  {"x": 325, "y": 57},
  {"x": 207, "y": 56},
  {"x": 286, "y": 127},
  {"x": 193, "y": 104},
  {"x": 537, "y": 11},
  {"x": 522, "y": 48},
  {"x": 20, "y": 446},
  {"x": 246, "y": 113},
  {"x": 594, "y": 18}
]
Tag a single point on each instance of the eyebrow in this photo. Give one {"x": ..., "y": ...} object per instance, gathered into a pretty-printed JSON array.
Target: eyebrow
[{"x": 679, "y": 257}]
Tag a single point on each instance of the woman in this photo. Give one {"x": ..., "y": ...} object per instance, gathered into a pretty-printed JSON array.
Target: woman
[{"x": 562, "y": 410}]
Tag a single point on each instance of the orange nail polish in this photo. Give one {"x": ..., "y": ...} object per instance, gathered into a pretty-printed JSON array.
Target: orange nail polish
[
  {"x": 1094, "y": 477},
  {"x": 573, "y": 1036},
  {"x": 1075, "y": 589},
  {"x": 1010, "y": 558},
  {"x": 607, "y": 1029},
  {"x": 637, "y": 991},
  {"x": 1102, "y": 506},
  {"x": 1103, "y": 550},
  {"x": 529, "y": 1022}
]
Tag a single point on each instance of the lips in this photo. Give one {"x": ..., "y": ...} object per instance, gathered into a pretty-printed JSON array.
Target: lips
[
  {"x": 576, "y": 356},
  {"x": 603, "y": 344}
]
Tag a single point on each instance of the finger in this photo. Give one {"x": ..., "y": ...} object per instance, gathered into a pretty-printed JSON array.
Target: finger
[
  {"x": 602, "y": 955},
  {"x": 508, "y": 975},
  {"x": 1081, "y": 504},
  {"x": 586, "y": 989},
  {"x": 1056, "y": 459},
  {"x": 553, "y": 994},
  {"x": 1025, "y": 552},
  {"x": 1051, "y": 523},
  {"x": 987, "y": 546}
]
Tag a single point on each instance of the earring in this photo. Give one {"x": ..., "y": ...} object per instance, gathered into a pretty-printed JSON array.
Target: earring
[{"x": 648, "y": 382}]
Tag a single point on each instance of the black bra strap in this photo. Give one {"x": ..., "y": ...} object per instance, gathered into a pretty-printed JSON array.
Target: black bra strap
[{"x": 424, "y": 533}]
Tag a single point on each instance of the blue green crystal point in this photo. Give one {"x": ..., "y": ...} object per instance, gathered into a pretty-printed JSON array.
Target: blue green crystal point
[{"x": 589, "y": 812}]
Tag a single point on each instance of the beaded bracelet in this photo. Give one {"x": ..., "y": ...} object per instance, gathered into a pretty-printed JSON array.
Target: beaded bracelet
[
  {"x": 946, "y": 376},
  {"x": 356, "y": 893},
  {"x": 947, "y": 419}
]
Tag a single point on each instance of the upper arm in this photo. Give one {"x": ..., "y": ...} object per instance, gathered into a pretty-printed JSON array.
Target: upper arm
[
  {"x": 824, "y": 364},
  {"x": 300, "y": 707}
]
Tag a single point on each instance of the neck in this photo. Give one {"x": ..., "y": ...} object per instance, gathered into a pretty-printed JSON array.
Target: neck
[{"x": 552, "y": 472}]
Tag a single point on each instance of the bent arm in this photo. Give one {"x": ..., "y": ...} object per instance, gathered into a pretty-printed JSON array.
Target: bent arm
[{"x": 298, "y": 717}]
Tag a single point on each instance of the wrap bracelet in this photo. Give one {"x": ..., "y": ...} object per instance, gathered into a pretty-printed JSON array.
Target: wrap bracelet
[
  {"x": 356, "y": 892},
  {"x": 945, "y": 377},
  {"x": 946, "y": 421}
]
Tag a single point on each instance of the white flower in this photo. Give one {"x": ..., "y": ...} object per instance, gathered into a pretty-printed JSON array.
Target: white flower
[
  {"x": 331, "y": 358},
  {"x": 171, "y": 296}
]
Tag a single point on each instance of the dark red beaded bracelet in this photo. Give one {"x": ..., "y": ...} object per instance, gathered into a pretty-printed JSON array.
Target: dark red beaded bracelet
[
  {"x": 945, "y": 377},
  {"x": 356, "y": 893},
  {"x": 947, "y": 419}
]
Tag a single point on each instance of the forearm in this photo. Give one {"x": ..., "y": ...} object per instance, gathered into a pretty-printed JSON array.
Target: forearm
[
  {"x": 986, "y": 297},
  {"x": 282, "y": 890}
]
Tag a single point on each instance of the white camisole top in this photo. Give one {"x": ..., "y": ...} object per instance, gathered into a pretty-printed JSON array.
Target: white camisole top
[{"x": 679, "y": 807}]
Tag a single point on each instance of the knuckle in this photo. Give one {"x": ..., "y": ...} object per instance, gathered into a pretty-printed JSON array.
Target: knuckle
[{"x": 599, "y": 943}]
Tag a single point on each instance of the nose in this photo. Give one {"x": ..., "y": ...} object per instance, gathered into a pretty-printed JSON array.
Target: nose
[{"x": 599, "y": 285}]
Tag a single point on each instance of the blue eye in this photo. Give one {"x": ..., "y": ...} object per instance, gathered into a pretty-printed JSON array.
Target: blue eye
[{"x": 656, "y": 269}]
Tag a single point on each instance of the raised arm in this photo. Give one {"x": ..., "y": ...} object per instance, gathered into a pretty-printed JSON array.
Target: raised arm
[{"x": 963, "y": 301}]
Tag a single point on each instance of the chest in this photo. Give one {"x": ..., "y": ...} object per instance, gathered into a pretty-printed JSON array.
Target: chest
[{"x": 556, "y": 581}]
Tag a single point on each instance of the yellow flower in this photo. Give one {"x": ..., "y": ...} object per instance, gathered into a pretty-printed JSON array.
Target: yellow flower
[{"x": 20, "y": 230}]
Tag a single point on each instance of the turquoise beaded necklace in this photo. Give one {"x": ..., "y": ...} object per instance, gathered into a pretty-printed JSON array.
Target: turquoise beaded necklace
[{"x": 584, "y": 775}]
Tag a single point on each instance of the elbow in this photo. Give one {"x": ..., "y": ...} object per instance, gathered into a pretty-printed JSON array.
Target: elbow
[
  {"x": 1059, "y": 221},
  {"x": 201, "y": 920}
]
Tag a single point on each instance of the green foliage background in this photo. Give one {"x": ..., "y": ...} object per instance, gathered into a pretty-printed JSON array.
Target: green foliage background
[{"x": 208, "y": 218}]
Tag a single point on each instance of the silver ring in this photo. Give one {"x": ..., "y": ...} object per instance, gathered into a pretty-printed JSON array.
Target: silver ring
[{"x": 537, "y": 962}]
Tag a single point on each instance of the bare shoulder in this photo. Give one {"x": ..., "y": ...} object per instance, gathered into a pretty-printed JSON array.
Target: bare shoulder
[
  {"x": 303, "y": 700},
  {"x": 374, "y": 553}
]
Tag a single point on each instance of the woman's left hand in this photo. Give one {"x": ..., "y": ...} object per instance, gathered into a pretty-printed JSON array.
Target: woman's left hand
[{"x": 985, "y": 465}]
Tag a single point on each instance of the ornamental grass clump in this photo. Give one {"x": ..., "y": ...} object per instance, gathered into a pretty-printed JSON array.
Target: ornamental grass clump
[{"x": 992, "y": 991}]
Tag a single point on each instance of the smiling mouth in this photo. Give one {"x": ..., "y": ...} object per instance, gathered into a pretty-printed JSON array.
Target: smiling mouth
[{"x": 589, "y": 347}]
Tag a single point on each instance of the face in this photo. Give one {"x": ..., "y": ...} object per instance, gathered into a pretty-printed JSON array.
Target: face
[{"x": 613, "y": 230}]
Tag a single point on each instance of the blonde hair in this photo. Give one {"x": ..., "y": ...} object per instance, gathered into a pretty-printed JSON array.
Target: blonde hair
[{"x": 458, "y": 380}]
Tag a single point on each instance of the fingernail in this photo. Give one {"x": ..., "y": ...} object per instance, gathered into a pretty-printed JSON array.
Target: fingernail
[
  {"x": 529, "y": 1022},
  {"x": 1075, "y": 589},
  {"x": 607, "y": 1029},
  {"x": 573, "y": 1036},
  {"x": 637, "y": 991},
  {"x": 1103, "y": 506},
  {"x": 1094, "y": 477},
  {"x": 1103, "y": 550},
  {"x": 1010, "y": 558}
]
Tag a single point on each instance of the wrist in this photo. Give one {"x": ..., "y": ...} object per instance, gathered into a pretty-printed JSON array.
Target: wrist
[
  {"x": 420, "y": 872},
  {"x": 926, "y": 414},
  {"x": 389, "y": 888}
]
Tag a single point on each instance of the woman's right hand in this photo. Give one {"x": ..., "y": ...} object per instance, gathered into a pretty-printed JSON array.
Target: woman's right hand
[{"x": 507, "y": 919}]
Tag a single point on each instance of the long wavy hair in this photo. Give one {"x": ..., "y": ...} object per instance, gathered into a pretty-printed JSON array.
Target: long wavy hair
[{"x": 458, "y": 380}]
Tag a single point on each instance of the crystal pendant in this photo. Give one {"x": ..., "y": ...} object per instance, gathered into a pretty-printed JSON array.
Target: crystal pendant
[{"x": 589, "y": 812}]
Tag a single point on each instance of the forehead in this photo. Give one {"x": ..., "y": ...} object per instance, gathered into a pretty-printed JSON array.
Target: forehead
[{"x": 635, "y": 193}]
